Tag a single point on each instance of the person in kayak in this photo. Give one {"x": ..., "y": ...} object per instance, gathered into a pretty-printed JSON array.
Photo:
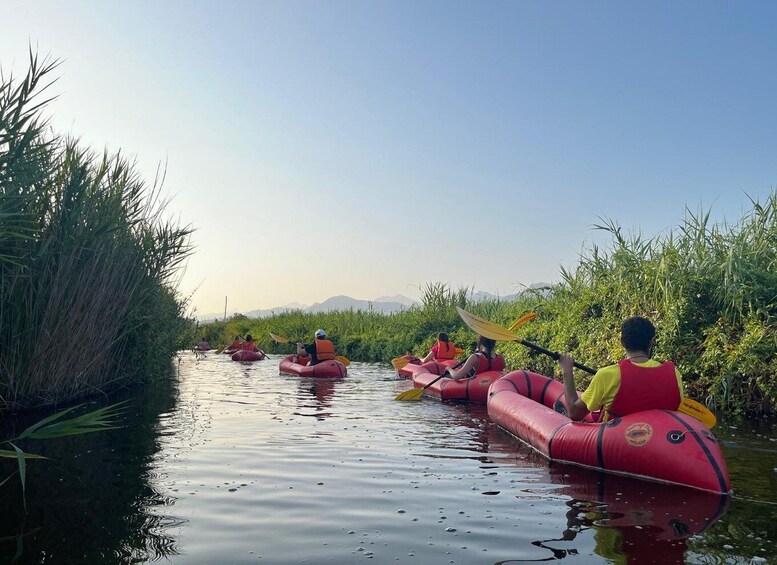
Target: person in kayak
[
  {"x": 237, "y": 343},
  {"x": 250, "y": 345},
  {"x": 442, "y": 350},
  {"x": 484, "y": 359},
  {"x": 320, "y": 350},
  {"x": 636, "y": 383},
  {"x": 203, "y": 344}
]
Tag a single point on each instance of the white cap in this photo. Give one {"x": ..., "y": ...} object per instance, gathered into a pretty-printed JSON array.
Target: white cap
[{"x": 320, "y": 333}]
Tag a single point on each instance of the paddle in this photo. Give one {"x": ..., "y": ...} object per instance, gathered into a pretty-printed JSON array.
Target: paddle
[
  {"x": 280, "y": 339},
  {"x": 417, "y": 393},
  {"x": 399, "y": 362},
  {"x": 494, "y": 331}
]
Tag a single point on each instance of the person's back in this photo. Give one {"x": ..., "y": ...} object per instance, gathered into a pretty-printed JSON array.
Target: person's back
[
  {"x": 442, "y": 350},
  {"x": 249, "y": 344},
  {"x": 322, "y": 349},
  {"x": 485, "y": 358},
  {"x": 634, "y": 384}
]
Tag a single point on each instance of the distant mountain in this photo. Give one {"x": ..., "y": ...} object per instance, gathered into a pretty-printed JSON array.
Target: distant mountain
[
  {"x": 398, "y": 298},
  {"x": 536, "y": 287},
  {"x": 384, "y": 305},
  {"x": 347, "y": 303}
]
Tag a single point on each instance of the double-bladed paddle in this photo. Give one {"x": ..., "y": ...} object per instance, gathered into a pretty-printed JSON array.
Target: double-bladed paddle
[
  {"x": 494, "y": 331},
  {"x": 399, "y": 362},
  {"x": 417, "y": 393}
]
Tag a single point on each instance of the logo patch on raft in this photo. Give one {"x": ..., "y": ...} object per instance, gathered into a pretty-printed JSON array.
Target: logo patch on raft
[
  {"x": 484, "y": 382},
  {"x": 638, "y": 434}
]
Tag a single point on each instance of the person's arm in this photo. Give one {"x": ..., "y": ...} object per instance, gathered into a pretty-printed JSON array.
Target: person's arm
[
  {"x": 429, "y": 357},
  {"x": 463, "y": 371},
  {"x": 300, "y": 349},
  {"x": 576, "y": 408}
]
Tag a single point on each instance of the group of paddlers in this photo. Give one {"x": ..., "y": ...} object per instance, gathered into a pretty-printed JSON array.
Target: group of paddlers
[
  {"x": 247, "y": 344},
  {"x": 634, "y": 384}
]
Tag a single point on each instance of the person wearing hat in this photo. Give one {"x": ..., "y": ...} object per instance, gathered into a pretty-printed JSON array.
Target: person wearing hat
[{"x": 320, "y": 350}]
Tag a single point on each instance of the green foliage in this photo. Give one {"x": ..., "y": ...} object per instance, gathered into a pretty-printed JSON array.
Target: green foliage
[
  {"x": 86, "y": 261},
  {"x": 55, "y": 427},
  {"x": 711, "y": 290}
]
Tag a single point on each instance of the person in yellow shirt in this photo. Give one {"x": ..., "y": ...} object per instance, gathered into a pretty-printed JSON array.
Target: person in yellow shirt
[{"x": 636, "y": 383}]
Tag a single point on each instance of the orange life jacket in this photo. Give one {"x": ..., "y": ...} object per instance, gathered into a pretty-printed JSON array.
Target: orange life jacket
[
  {"x": 486, "y": 363},
  {"x": 325, "y": 350},
  {"x": 235, "y": 345},
  {"x": 445, "y": 350},
  {"x": 645, "y": 388},
  {"x": 249, "y": 345},
  {"x": 303, "y": 359}
]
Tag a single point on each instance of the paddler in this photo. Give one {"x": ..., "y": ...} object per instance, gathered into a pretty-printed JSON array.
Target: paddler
[
  {"x": 442, "y": 350},
  {"x": 237, "y": 343},
  {"x": 484, "y": 359},
  {"x": 250, "y": 345},
  {"x": 634, "y": 384},
  {"x": 320, "y": 350}
]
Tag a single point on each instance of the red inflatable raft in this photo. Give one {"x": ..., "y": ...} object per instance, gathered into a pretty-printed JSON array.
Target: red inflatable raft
[
  {"x": 437, "y": 367},
  {"x": 472, "y": 390},
  {"x": 660, "y": 445},
  {"x": 246, "y": 355},
  {"x": 322, "y": 369}
]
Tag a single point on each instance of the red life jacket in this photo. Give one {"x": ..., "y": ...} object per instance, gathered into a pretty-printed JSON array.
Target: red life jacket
[
  {"x": 486, "y": 363},
  {"x": 249, "y": 345},
  {"x": 235, "y": 345},
  {"x": 445, "y": 350},
  {"x": 645, "y": 388},
  {"x": 303, "y": 359},
  {"x": 325, "y": 350}
]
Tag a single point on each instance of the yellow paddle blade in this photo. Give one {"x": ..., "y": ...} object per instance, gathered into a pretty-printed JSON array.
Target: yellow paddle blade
[
  {"x": 412, "y": 394},
  {"x": 485, "y": 328},
  {"x": 343, "y": 359},
  {"x": 220, "y": 350},
  {"x": 458, "y": 351},
  {"x": 399, "y": 362},
  {"x": 526, "y": 318},
  {"x": 698, "y": 411},
  {"x": 278, "y": 339}
]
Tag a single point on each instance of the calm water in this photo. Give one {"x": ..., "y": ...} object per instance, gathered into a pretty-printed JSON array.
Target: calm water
[{"x": 234, "y": 463}]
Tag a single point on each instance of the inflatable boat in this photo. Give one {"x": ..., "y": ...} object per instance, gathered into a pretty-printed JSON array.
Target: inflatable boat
[
  {"x": 246, "y": 355},
  {"x": 469, "y": 390},
  {"x": 659, "y": 445},
  {"x": 329, "y": 369}
]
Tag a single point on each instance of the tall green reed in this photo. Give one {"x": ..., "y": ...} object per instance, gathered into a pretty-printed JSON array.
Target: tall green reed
[{"x": 86, "y": 260}]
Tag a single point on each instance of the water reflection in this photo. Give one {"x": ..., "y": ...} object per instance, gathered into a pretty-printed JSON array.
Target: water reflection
[
  {"x": 93, "y": 501},
  {"x": 632, "y": 521},
  {"x": 314, "y": 397}
]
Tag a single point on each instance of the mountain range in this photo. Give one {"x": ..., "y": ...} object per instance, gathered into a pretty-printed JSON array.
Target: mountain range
[{"x": 382, "y": 304}]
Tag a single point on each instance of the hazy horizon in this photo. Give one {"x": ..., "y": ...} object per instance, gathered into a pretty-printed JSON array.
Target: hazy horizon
[{"x": 364, "y": 149}]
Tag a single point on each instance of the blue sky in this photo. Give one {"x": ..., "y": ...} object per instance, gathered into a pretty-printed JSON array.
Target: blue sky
[{"x": 365, "y": 148}]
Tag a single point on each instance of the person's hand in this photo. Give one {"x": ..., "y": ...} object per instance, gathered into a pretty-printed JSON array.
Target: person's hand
[{"x": 566, "y": 362}]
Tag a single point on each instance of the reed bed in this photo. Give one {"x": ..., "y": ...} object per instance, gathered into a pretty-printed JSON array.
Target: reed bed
[
  {"x": 86, "y": 261},
  {"x": 710, "y": 288}
]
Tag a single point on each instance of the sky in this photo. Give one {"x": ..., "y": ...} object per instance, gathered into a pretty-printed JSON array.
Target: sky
[{"x": 367, "y": 148}]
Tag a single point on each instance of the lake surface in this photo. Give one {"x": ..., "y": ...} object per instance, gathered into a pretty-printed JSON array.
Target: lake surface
[{"x": 234, "y": 463}]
